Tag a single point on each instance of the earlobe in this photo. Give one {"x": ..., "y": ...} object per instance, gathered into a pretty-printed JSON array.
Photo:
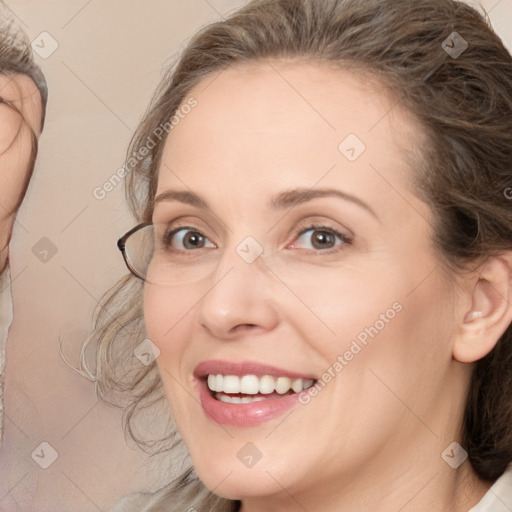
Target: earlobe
[{"x": 490, "y": 313}]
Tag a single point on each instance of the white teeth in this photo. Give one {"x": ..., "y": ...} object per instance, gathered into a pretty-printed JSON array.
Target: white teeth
[
  {"x": 307, "y": 383},
  {"x": 267, "y": 384},
  {"x": 231, "y": 384},
  {"x": 297, "y": 385},
  {"x": 219, "y": 379},
  {"x": 252, "y": 385},
  {"x": 283, "y": 384},
  {"x": 237, "y": 400},
  {"x": 249, "y": 385}
]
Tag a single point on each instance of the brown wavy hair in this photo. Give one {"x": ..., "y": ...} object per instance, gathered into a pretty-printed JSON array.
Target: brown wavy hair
[{"x": 464, "y": 106}]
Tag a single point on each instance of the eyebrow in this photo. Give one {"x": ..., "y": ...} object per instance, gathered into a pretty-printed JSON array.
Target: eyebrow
[
  {"x": 183, "y": 197},
  {"x": 291, "y": 198},
  {"x": 286, "y": 199}
]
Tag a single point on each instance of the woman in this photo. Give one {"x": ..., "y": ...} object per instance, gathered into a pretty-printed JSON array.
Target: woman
[{"x": 322, "y": 262}]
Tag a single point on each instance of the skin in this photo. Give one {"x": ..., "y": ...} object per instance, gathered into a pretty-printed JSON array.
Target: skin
[
  {"x": 16, "y": 158},
  {"x": 372, "y": 439}
]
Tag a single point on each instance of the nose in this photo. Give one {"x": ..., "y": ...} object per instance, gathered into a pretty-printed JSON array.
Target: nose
[{"x": 240, "y": 300}]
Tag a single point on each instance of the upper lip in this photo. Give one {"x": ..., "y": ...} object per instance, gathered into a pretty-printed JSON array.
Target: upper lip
[{"x": 217, "y": 366}]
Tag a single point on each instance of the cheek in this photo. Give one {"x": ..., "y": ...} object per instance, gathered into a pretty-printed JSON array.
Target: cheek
[
  {"x": 164, "y": 315},
  {"x": 352, "y": 305},
  {"x": 169, "y": 313},
  {"x": 405, "y": 342},
  {"x": 165, "y": 318},
  {"x": 378, "y": 317}
]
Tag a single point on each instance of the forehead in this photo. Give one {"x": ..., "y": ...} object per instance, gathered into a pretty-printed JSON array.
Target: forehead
[{"x": 279, "y": 120}]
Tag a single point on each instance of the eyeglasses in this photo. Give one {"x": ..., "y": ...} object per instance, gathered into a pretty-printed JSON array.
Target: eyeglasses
[
  {"x": 148, "y": 253},
  {"x": 136, "y": 246},
  {"x": 152, "y": 252}
]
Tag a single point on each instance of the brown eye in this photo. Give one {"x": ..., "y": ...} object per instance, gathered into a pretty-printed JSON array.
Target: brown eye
[
  {"x": 193, "y": 240},
  {"x": 323, "y": 240},
  {"x": 320, "y": 239},
  {"x": 188, "y": 239}
]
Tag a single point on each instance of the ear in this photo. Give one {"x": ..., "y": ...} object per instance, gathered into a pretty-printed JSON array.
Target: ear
[{"x": 490, "y": 313}]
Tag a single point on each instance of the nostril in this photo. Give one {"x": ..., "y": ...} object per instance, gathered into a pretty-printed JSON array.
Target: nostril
[{"x": 244, "y": 327}]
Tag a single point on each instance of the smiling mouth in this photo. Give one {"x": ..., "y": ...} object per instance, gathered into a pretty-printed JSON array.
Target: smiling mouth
[{"x": 246, "y": 389}]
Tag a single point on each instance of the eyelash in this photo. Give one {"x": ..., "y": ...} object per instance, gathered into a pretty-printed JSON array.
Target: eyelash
[{"x": 345, "y": 240}]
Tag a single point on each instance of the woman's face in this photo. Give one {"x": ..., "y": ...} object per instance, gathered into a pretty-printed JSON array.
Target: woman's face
[{"x": 300, "y": 252}]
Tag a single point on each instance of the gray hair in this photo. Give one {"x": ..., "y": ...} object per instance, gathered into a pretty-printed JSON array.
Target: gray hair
[{"x": 16, "y": 54}]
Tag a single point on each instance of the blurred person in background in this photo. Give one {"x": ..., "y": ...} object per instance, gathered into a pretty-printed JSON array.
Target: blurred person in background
[{"x": 23, "y": 97}]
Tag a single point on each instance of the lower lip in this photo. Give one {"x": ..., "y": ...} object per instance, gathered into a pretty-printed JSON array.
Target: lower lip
[{"x": 244, "y": 415}]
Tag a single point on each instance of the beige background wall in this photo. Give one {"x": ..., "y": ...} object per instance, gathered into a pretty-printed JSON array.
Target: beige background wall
[{"x": 108, "y": 61}]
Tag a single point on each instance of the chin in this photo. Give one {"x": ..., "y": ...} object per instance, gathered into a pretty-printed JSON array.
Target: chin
[{"x": 238, "y": 484}]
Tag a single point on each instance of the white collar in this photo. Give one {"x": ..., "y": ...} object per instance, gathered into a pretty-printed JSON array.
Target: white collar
[{"x": 499, "y": 497}]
